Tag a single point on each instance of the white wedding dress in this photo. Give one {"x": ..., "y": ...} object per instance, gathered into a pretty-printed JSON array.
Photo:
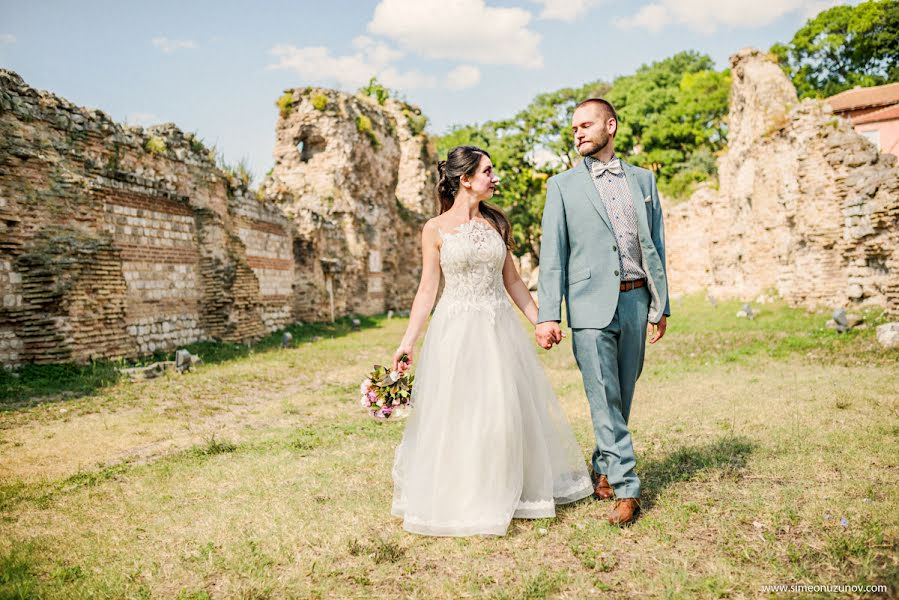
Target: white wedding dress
[{"x": 487, "y": 439}]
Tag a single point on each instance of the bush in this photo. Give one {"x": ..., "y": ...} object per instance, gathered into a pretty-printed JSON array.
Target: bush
[
  {"x": 196, "y": 144},
  {"x": 376, "y": 90},
  {"x": 285, "y": 104},
  {"x": 319, "y": 101},
  {"x": 363, "y": 125},
  {"x": 417, "y": 121},
  {"x": 682, "y": 184},
  {"x": 155, "y": 145}
]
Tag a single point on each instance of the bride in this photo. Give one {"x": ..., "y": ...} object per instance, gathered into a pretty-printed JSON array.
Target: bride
[{"x": 487, "y": 440}]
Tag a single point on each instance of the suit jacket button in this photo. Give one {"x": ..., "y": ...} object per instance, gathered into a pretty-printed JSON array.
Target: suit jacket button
[
  {"x": 614, "y": 248},
  {"x": 616, "y": 273}
]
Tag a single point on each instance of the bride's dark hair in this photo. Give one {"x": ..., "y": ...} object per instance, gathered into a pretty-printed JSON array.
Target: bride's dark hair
[{"x": 464, "y": 160}]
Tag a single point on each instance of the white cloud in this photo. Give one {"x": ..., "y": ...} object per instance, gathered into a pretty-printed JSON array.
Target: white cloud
[
  {"x": 377, "y": 53},
  {"x": 706, "y": 16},
  {"x": 169, "y": 46},
  {"x": 466, "y": 30},
  {"x": 7, "y": 38},
  {"x": 463, "y": 77},
  {"x": 652, "y": 17},
  {"x": 142, "y": 119},
  {"x": 316, "y": 63},
  {"x": 813, "y": 7},
  {"x": 565, "y": 10}
]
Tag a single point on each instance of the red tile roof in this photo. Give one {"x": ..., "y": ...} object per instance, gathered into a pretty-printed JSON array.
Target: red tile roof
[
  {"x": 881, "y": 95},
  {"x": 884, "y": 114}
]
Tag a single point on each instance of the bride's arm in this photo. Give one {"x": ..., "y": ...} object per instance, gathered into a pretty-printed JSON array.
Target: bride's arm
[
  {"x": 518, "y": 291},
  {"x": 424, "y": 297}
]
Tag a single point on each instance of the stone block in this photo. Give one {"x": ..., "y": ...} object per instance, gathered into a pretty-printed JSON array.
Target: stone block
[{"x": 888, "y": 335}]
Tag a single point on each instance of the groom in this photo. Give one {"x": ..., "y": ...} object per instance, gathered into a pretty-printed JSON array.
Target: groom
[{"x": 603, "y": 250}]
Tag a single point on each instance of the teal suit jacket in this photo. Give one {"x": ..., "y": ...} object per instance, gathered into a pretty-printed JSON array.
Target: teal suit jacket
[{"x": 579, "y": 254}]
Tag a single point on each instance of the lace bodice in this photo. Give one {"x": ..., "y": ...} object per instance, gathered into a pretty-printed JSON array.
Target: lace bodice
[{"x": 472, "y": 260}]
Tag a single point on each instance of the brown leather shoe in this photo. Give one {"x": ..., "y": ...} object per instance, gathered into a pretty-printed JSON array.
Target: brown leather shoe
[
  {"x": 602, "y": 489},
  {"x": 624, "y": 512}
]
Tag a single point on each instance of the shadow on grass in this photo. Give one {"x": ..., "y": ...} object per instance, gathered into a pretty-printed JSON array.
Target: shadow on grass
[
  {"x": 33, "y": 384},
  {"x": 727, "y": 456}
]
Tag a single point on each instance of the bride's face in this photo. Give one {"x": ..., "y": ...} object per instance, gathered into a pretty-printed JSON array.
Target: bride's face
[{"x": 483, "y": 183}]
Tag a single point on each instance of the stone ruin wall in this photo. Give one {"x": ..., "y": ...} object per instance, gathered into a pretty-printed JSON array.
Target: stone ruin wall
[
  {"x": 358, "y": 180},
  {"x": 118, "y": 241},
  {"x": 805, "y": 206}
]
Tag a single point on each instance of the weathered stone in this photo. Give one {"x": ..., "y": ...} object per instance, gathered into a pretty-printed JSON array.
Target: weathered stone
[
  {"x": 122, "y": 240},
  {"x": 339, "y": 173},
  {"x": 888, "y": 335},
  {"x": 805, "y": 205}
]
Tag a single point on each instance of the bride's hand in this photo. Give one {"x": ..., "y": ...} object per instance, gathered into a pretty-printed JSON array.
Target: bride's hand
[{"x": 399, "y": 365}]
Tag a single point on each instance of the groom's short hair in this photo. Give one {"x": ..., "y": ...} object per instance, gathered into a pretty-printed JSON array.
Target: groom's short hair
[{"x": 605, "y": 106}]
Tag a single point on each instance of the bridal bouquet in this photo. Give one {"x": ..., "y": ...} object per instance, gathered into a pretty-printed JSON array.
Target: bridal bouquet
[{"x": 387, "y": 394}]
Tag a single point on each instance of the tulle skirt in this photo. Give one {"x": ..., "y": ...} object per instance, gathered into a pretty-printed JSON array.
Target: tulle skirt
[{"x": 487, "y": 440}]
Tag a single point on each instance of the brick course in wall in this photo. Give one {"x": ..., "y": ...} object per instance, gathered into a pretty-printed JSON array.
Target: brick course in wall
[
  {"x": 805, "y": 206},
  {"x": 112, "y": 250},
  {"x": 120, "y": 241}
]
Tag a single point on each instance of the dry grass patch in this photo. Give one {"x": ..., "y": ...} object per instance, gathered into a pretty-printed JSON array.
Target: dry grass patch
[{"x": 760, "y": 465}]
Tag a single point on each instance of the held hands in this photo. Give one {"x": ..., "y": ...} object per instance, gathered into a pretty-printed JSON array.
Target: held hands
[
  {"x": 548, "y": 334},
  {"x": 657, "y": 330}
]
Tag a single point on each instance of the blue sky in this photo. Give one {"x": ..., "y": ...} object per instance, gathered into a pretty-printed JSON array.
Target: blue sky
[{"x": 217, "y": 67}]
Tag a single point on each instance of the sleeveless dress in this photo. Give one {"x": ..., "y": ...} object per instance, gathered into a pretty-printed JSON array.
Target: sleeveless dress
[{"x": 487, "y": 439}]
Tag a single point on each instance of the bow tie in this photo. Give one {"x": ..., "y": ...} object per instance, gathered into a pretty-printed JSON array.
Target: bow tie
[{"x": 613, "y": 167}]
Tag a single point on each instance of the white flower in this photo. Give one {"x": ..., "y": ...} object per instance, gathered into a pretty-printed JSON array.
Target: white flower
[{"x": 365, "y": 386}]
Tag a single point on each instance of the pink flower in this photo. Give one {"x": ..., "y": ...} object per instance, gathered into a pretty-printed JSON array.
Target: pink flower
[{"x": 366, "y": 385}]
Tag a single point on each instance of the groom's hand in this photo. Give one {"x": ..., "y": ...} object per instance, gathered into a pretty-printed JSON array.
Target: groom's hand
[
  {"x": 548, "y": 333},
  {"x": 657, "y": 330}
]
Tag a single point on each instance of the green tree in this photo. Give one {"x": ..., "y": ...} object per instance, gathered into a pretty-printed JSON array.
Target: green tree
[
  {"x": 668, "y": 112},
  {"x": 844, "y": 47},
  {"x": 526, "y": 150},
  {"x": 671, "y": 120}
]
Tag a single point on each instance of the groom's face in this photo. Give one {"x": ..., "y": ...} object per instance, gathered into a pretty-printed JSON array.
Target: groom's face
[{"x": 592, "y": 130}]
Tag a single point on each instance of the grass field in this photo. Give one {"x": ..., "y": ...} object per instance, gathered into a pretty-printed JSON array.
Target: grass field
[{"x": 768, "y": 450}]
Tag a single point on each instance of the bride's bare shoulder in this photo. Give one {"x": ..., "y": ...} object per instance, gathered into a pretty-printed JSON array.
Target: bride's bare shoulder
[
  {"x": 437, "y": 224},
  {"x": 431, "y": 230}
]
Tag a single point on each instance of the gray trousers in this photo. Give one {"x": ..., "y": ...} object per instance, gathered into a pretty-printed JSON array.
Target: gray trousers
[{"x": 610, "y": 360}]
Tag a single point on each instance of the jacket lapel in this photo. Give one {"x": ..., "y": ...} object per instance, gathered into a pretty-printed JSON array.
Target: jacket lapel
[{"x": 589, "y": 188}]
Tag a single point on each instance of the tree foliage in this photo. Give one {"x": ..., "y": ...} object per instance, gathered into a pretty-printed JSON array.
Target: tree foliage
[
  {"x": 844, "y": 47},
  {"x": 526, "y": 150},
  {"x": 671, "y": 120},
  {"x": 671, "y": 112}
]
